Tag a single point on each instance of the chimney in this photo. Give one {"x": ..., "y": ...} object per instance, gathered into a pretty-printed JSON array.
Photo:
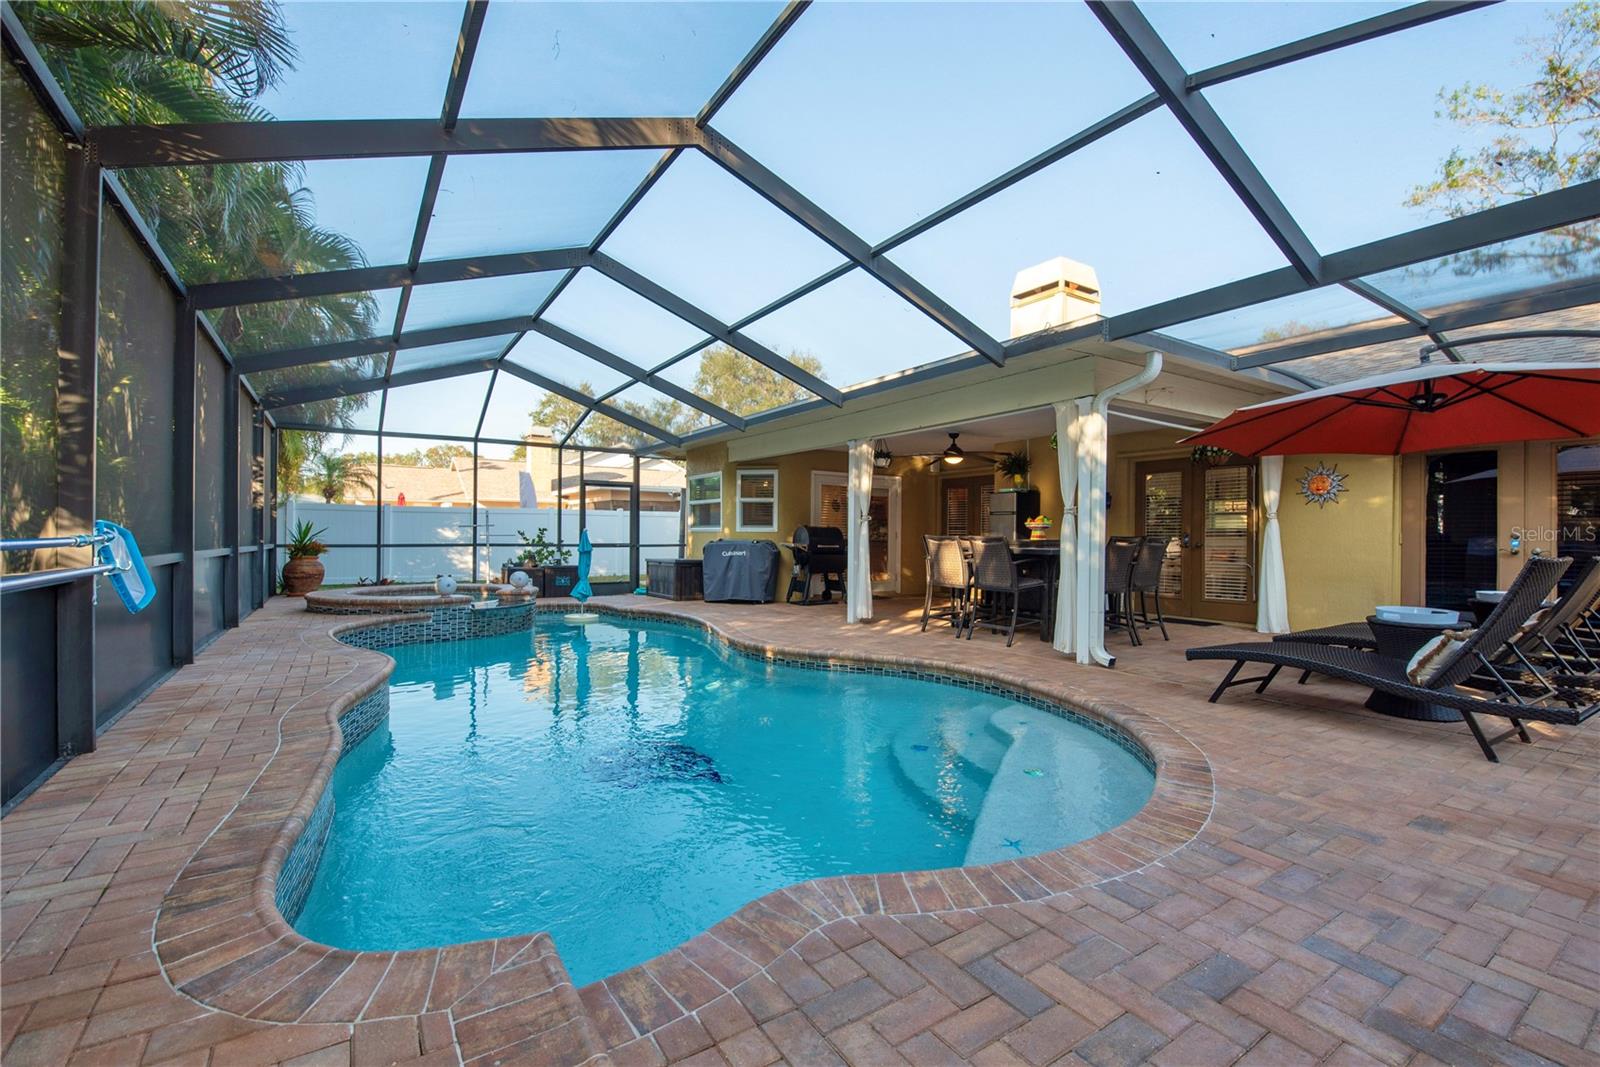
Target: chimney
[{"x": 1057, "y": 292}]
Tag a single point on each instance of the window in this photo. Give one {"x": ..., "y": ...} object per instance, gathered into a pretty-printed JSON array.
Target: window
[
  {"x": 705, "y": 501},
  {"x": 758, "y": 501}
]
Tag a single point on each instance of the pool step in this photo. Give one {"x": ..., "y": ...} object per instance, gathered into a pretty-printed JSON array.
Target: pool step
[
  {"x": 927, "y": 756},
  {"x": 1029, "y": 806}
]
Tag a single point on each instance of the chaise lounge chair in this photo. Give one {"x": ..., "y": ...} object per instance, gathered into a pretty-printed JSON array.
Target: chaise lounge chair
[{"x": 1473, "y": 680}]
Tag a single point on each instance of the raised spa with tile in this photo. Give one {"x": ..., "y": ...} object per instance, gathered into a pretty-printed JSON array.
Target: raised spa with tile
[{"x": 627, "y": 784}]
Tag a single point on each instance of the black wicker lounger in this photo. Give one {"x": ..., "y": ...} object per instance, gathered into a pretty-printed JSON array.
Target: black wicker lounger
[
  {"x": 1567, "y": 700},
  {"x": 1345, "y": 635}
]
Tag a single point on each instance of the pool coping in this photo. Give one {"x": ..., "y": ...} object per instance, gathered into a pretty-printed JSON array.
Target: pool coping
[{"x": 221, "y": 940}]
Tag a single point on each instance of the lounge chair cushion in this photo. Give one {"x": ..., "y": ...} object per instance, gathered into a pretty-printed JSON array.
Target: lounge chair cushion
[{"x": 1434, "y": 656}]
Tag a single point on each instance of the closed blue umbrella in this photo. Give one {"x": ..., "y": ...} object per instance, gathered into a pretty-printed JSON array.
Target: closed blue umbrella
[{"x": 581, "y": 592}]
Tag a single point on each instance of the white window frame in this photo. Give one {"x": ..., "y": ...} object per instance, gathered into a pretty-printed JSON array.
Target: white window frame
[
  {"x": 693, "y": 503},
  {"x": 740, "y": 500}
]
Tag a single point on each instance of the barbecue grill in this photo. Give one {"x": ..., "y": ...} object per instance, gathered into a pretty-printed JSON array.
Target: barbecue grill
[{"x": 818, "y": 552}]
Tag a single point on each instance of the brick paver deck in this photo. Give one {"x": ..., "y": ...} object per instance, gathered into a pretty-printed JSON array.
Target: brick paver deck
[{"x": 1364, "y": 890}]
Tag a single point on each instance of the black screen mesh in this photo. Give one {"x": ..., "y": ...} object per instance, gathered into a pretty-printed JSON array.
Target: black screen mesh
[
  {"x": 138, "y": 323},
  {"x": 31, "y": 175},
  {"x": 210, "y": 443}
]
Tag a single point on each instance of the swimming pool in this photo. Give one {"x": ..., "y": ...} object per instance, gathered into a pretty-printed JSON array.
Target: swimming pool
[{"x": 625, "y": 785}]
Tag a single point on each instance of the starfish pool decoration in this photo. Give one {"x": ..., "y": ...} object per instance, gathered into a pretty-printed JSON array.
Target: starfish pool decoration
[
  {"x": 1322, "y": 484},
  {"x": 1014, "y": 842}
]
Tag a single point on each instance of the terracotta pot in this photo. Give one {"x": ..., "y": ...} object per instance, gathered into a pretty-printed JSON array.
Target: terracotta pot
[{"x": 302, "y": 575}]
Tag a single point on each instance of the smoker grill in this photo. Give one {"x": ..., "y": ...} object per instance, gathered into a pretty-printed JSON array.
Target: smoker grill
[{"x": 818, "y": 552}]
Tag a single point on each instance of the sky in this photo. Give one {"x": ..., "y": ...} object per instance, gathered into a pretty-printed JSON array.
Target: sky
[{"x": 880, "y": 113}]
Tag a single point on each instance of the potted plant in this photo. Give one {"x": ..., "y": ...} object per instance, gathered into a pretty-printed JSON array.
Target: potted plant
[
  {"x": 1015, "y": 465},
  {"x": 543, "y": 563},
  {"x": 303, "y": 573}
]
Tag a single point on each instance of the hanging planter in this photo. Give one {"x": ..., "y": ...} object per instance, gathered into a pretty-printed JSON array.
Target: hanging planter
[{"x": 1210, "y": 456}]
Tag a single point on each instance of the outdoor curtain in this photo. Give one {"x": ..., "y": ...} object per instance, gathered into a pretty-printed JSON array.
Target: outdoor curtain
[
  {"x": 1067, "y": 464},
  {"x": 858, "y": 560},
  {"x": 1272, "y": 599}
]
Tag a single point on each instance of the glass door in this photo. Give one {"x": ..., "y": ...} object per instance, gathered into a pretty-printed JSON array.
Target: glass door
[
  {"x": 830, "y": 506},
  {"x": 1209, "y": 514},
  {"x": 1463, "y": 527}
]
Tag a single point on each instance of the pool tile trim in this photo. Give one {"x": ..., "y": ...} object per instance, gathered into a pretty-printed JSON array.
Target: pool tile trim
[{"x": 220, "y": 955}]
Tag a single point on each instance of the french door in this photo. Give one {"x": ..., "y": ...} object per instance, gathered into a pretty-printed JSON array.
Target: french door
[
  {"x": 830, "y": 506},
  {"x": 1210, "y": 515}
]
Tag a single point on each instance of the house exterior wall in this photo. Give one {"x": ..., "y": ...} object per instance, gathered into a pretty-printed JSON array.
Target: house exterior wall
[
  {"x": 1341, "y": 560},
  {"x": 918, "y": 503}
]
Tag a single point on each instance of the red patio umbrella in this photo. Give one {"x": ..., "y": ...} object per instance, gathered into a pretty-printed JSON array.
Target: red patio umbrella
[{"x": 1422, "y": 409}]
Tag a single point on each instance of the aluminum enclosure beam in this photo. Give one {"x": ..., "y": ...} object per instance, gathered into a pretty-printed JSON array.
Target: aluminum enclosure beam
[
  {"x": 371, "y": 346},
  {"x": 390, "y": 276},
  {"x": 792, "y": 202},
  {"x": 76, "y": 413},
  {"x": 197, "y": 144},
  {"x": 1315, "y": 45},
  {"x": 1465, "y": 316},
  {"x": 746, "y": 66},
  {"x": 1054, "y": 154},
  {"x": 642, "y": 286},
  {"x": 308, "y": 394},
  {"x": 1504, "y": 223},
  {"x": 635, "y": 372},
  {"x": 1150, "y": 54},
  {"x": 614, "y": 413},
  {"x": 1399, "y": 308}
]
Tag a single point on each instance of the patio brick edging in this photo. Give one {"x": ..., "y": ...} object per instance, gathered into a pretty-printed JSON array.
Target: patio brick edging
[
  {"x": 215, "y": 950},
  {"x": 221, "y": 940}
]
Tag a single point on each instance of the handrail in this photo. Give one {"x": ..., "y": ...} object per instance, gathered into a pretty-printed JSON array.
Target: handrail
[
  {"x": 17, "y": 583},
  {"x": 23, "y": 544}
]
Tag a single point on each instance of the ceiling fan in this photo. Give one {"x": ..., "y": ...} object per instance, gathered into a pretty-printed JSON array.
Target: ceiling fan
[{"x": 953, "y": 454}]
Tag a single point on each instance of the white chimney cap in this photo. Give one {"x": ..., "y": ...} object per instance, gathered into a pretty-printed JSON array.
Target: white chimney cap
[{"x": 1053, "y": 275}]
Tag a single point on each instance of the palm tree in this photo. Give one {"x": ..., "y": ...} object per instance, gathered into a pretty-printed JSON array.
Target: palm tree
[
  {"x": 164, "y": 61},
  {"x": 332, "y": 474}
]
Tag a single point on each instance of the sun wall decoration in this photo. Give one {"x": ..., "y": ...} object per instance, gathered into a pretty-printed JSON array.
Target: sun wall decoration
[{"x": 1322, "y": 484}]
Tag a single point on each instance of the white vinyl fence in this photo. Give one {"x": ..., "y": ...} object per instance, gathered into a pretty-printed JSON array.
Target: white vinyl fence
[{"x": 445, "y": 535}]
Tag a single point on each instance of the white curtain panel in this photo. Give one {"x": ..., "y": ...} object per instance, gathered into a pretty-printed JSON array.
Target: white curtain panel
[
  {"x": 858, "y": 562},
  {"x": 1272, "y": 599},
  {"x": 1067, "y": 465}
]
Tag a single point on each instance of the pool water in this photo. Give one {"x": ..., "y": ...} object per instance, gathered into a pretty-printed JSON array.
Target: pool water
[{"x": 627, "y": 785}]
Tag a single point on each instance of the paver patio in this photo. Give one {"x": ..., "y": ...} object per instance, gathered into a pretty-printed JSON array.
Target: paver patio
[{"x": 1365, "y": 890}]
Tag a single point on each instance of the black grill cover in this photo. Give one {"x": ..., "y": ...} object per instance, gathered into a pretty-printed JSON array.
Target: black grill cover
[{"x": 741, "y": 570}]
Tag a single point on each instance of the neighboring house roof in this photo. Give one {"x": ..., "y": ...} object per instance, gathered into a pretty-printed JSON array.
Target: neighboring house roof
[
  {"x": 500, "y": 481},
  {"x": 1353, "y": 363},
  {"x": 421, "y": 485},
  {"x": 507, "y": 482}
]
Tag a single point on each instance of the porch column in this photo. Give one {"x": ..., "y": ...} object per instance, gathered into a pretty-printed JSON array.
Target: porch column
[
  {"x": 1066, "y": 605},
  {"x": 1272, "y": 594},
  {"x": 1090, "y": 581},
  {"x": 858, "y": 549}
]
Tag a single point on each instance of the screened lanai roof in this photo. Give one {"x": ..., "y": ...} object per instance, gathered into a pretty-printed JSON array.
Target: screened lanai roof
[{"x": 622, "y": 205}]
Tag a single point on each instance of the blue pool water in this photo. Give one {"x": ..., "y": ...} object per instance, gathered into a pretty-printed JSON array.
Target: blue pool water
[{"x": 626, "y": 786}]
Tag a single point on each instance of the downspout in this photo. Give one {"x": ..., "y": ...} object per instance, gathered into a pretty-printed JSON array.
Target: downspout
[{"x": 1092, "y": 516}]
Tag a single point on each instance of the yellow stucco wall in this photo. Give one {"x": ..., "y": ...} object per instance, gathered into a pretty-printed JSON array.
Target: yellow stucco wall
[
  {"x": 1341, "y": 560},
  {"x": 918, "y": 503}
]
